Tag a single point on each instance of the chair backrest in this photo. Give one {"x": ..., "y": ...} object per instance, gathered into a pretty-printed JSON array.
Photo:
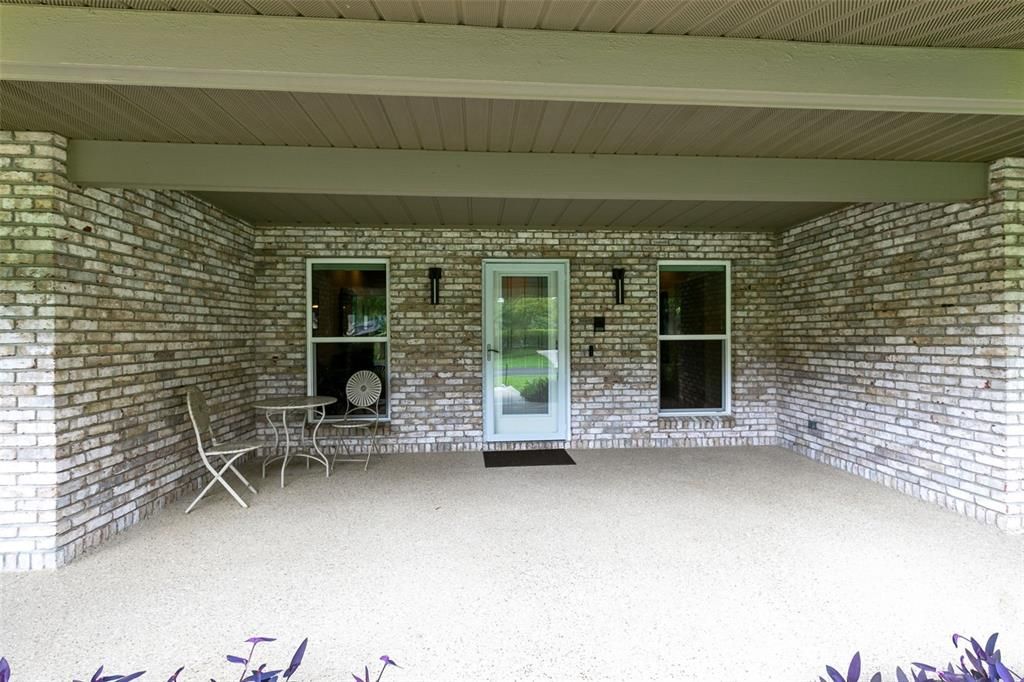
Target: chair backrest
[
  {"x": 200, "y": 416},
  {"x": 363, "y": 390}
]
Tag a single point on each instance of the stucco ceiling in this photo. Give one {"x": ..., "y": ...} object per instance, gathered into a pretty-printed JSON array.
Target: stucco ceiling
[
  {"x": 150, "y": 114},
  {"x": 945, "y": 23}
]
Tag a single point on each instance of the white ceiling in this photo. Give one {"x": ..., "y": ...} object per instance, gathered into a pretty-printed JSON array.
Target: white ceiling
[
  {"x": 941, "y": 23},
  {"x": 251, "y": 117},
  {"x": 150, "y": 114},
  {"x": 319, "y": 209}
]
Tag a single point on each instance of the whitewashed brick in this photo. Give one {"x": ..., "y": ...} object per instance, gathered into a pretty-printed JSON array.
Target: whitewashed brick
[
  {"x": 897, "y": 328},
  {"x": 888, "y": 272},
  {"x": 185, "y": 281}
]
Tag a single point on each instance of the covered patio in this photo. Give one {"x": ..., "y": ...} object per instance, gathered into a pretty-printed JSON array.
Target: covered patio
[
  {"x": 660, "y": 563},
  {"x": 757, "y": 265}
]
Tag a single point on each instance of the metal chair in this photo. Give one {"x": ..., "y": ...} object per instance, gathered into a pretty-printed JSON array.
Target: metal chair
[
  {"x": 362, "y": 414},
  {"x": 227, "y": 452}
]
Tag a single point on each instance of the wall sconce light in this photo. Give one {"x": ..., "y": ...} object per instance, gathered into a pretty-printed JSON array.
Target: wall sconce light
[
  {"x": 435, "y": 285},
  {"x": 619, "y": 277}
]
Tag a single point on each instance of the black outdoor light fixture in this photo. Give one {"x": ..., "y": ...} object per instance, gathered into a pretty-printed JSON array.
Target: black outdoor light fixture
[
  {"x": 435, "y": 285},
  {"x": 619, "y": 277}
]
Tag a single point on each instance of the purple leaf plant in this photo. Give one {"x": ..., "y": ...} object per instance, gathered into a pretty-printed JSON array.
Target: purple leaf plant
[
  {"x": 250, "y": 671},
  {"x": 260, "y": 673},
  {"x": 366, "y": 670},
  {"x": 976, "y": 664},
  {"x": 98, "y": 676}
]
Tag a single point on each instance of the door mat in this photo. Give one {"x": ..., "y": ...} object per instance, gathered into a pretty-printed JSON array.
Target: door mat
[{"x": 526, "y": 458}]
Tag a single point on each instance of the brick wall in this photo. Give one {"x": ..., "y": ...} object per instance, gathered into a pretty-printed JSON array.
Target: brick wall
[
  {"x": 122, "y": 299},
  {"x": 31, "y": 221},
  {"x": 895, "y": 341},
  {"x": 436, "y": 373},
  {"x": 897, "y": 328},
  {"x": 1007, "y": 181}
]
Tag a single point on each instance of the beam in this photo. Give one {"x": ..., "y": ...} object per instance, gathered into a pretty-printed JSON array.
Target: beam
[
  {"x": 387, "y": 172},
  {"x": 181, "y": 49}
]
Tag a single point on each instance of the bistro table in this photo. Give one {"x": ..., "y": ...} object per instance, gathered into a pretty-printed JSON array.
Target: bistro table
[{"x": 299, "y": 403}]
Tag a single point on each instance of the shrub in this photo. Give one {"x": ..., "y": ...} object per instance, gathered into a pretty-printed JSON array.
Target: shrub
[{"x": 536, "y": 391}]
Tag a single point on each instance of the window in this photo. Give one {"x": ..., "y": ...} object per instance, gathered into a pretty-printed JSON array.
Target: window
[
  {"x": 347, "y": 326},
  {"x": 693, "y": 337}
]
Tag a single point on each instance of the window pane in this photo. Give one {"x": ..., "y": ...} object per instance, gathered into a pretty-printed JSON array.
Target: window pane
[
  {"x": 527, "y": 370},
  {"x": 349, "y": 299},
  {"x": 691, "y": 375},
  {"x": 693, "y": 299},
  {"x": 336, "y": 362}
]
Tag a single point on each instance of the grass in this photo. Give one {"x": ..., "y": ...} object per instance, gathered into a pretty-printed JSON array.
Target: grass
[{"x": 524, "y": 358}]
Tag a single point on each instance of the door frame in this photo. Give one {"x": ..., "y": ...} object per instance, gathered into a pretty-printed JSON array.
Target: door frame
[{"x": 564, "y": 356}]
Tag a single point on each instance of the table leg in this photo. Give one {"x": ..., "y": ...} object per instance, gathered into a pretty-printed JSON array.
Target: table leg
[
  {"x": 315, "y": 453},
  {"x": 287, "y": 443},
  {"x": 277, "y": 441},
  {"x": 321, "y": 412}
]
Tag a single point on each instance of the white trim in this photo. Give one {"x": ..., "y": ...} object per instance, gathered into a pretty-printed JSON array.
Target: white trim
[
  {"x": 726, "y": 338},
  {"x": 565, "y": 356},
  {"x": 194, "y": 50},
  {"x": 311, "y": 341},
  {"x": 349, "y": 339},
  {"x": 423, "y": 173}
]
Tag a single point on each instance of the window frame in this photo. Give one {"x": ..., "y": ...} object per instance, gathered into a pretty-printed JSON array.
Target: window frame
[
  {"x": 726, "y": 338},
  {"x": 311, "y": 340}
]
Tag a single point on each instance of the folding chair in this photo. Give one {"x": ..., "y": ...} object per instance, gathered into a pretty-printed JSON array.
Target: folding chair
[
  {"x": 200, "y": 416},
  {"x": 362, "y": 390}
]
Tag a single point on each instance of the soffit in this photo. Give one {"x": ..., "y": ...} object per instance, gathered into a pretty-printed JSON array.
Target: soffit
[
  {"x": 318, "y": 209},
  {"x": 150, "y": 114},
  {"x": 941, "y": 23}
]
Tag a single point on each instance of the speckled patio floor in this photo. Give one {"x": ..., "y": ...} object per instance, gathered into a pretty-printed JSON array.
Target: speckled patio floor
[{"x": 634, "y": 564}]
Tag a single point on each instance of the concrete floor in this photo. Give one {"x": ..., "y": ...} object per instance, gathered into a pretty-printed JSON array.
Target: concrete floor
[{"x": 646, "y": 564}]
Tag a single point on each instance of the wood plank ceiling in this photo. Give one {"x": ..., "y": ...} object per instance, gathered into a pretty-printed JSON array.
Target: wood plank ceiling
[
  {"x": 319, "y": 209},
  {"x": 939, "y": 23},
  {"x": 140, "y": 114},
  {"x": 250, "y": 117}
]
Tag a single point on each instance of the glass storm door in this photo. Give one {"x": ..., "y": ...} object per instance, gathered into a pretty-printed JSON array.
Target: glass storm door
[{"x": 526, "y": 350}]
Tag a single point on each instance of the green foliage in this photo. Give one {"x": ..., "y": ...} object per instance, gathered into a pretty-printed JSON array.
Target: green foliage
[
  {"x": 536, "y": 391},
  {"x": 528, "y": 322}
]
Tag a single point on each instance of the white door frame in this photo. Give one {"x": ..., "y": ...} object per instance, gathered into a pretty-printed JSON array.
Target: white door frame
[{"x": 491, "y": 265}]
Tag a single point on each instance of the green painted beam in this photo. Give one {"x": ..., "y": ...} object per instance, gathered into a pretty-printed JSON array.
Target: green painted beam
[
  {"x": 319, "y": 170},
  {"x": 184, "y": 49}
]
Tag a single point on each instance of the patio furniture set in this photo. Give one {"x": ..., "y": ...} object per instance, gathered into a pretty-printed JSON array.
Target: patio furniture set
[{"x": 361, "y": 416}]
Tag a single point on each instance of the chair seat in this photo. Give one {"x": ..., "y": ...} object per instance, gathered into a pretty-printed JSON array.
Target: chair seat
[
  {"x": 353, "y": 425},
  {"x": 234, "y": 447}
]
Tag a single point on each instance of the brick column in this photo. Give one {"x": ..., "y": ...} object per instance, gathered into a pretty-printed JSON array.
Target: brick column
[
  {"x": 112, "y": 303},
  {"x": 31, "y": 222},
  {"x": 1007, "y": 182}
]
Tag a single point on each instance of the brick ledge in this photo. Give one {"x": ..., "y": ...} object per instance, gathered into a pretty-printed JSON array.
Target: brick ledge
[{"x": 697, "y": 423}]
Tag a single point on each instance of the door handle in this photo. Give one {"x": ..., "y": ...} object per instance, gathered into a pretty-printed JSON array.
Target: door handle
[{"x": 492, "y": 350}]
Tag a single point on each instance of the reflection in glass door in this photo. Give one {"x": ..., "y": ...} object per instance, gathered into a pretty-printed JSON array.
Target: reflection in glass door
[{"x": 526, "y": 372}]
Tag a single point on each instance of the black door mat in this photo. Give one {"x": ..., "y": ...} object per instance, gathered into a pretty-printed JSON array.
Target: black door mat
[{"x": 526, "y": 458}]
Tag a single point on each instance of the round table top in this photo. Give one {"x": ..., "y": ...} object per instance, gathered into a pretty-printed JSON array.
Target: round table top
[{"x": 294, "y": 402}]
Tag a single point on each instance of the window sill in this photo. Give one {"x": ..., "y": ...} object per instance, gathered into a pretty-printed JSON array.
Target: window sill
[{"x": 673, "y": 414}]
